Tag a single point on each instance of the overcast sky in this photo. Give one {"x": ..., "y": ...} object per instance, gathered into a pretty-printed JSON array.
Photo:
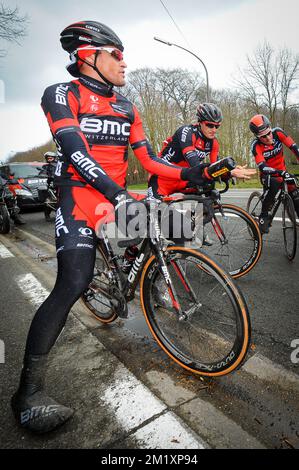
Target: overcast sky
[{"x": 221, "y": 32}]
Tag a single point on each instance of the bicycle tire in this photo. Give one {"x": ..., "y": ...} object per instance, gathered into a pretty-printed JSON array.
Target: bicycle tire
[
  {"x": 289, "y": 227},
  {"x": 221, "y": 323},
  {"x": 254, "y": 204},
  {"x": 96, "y": 297},
  {"x": 4, "y": 220},
  {"x": 242, "y": 248}
]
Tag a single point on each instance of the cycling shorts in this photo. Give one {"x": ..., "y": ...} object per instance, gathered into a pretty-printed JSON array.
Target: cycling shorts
[
  {"x": 164, "y": 186},
  {"x": 81, "y": 213}
]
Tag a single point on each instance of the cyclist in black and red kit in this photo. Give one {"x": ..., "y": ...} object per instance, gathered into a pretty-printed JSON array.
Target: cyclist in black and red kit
[
  {"x": 92, "y": 126},
  {"x": 190, "y": 146},
  {"x": 267, "y": 149}
]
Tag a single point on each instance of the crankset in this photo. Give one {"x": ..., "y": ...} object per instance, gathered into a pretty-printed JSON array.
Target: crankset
[{"x": 114, "y": 296}]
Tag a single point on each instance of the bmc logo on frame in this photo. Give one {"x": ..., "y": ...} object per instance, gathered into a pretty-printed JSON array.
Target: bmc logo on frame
[
  {"x": 2, "y": 352},
  {"x": 295, "y": 353}
]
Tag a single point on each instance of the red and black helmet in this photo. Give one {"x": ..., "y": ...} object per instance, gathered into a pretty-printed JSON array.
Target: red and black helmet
[
  {"x": 85, "y": 33},
  {"x": 209, "y": 112},
  {"x": 88, "y": 32},
  {"x": 259, "y": 125}
]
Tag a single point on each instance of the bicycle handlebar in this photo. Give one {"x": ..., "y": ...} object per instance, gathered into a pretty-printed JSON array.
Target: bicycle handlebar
[{"x": 202, "y": 190}]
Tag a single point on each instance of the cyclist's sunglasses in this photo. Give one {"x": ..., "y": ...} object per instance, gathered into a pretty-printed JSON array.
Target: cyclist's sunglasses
[
  {"x": 115, "y": 53},
  {"x": 211, "y": 125},
  {"x": 265, "y": 135}
]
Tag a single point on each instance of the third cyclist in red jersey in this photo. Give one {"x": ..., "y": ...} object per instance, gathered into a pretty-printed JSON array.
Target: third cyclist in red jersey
[{"x": 267, "y": 149}]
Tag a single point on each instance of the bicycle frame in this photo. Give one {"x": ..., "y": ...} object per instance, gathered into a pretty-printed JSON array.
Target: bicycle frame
[
  {"x": 154, "y": 245},
  {"x": 278, "y": 200},
  {"x": 215, "y": 199}
]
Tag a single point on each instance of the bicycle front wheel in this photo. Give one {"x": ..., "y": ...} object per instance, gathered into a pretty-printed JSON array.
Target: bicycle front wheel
[
  {"x": 289, "y": 227},
  {"x": 254, "y": 204},
  {"x": 213, "y": 336},
  {"x": 235, "y": 240}
]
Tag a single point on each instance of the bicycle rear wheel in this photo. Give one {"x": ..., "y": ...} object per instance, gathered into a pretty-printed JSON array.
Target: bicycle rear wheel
[
  {"x": 289, "y": 227},
  {"x": 214, "y": 336},
  {"x": 236, "y": 240},
  {"x": 98, "y": 297}
]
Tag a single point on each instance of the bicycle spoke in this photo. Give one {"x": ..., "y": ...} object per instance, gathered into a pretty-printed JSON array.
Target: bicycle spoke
[
  {"x": 240, "y": 249},
  {"x": 212, "y": 335}
]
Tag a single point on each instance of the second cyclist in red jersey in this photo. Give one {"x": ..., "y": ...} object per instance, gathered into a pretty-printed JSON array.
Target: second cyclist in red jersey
[
  {"x": 194, "y": 145},
  {"x": 189, "y": 146}
]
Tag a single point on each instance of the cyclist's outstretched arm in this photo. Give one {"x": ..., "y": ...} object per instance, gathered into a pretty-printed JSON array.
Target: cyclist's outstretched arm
[{"x": 145, "y": 154}]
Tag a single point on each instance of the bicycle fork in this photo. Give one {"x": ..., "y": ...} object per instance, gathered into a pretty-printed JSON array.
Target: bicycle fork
[{"x": 182, "y": 315}]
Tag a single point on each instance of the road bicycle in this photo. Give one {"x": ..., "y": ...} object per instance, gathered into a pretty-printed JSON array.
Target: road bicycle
[
  {"x": 231, "y": 236},
  {"x": 193, "y": 308},
  {"x": 254, "y": 207},
  {"x": 47, "y": 195},
  {"x": 51, "y": 200},
  {"x": 8, "y": 205}
]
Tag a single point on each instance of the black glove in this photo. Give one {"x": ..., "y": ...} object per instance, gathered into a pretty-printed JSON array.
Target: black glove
[
  {"x": 197, "y": 175},
  {"x": 130, "y": 216},
  {"x": 194, "y": 174}
]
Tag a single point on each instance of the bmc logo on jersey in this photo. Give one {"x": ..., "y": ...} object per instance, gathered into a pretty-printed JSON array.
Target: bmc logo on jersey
[
  {"x": 60, "y": 94},
  {"x": 272, "y": 153},
  {"x": 105, "y": 126},
  {"x": 184, "y": 134},
  {"x": 86, "y": 164}
]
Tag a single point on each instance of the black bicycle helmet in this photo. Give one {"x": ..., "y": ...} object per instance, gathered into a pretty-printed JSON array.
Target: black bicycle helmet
[
  {"x": 85, "y": 33},
  {"x": 259, "y": 125},
  {"x": 209, "y": 112},
  {"x": 88, "y": 32}
]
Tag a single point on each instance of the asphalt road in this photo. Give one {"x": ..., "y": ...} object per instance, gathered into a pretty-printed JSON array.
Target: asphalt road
[{"x": 257, "y": 406}]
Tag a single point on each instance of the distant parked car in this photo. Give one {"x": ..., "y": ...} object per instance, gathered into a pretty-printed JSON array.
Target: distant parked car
[{"x": 31, "y": 177}]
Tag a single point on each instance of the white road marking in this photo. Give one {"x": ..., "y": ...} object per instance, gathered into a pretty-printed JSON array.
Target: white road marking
[
  {"x": 166, "y": 432},
  {"x": 264, "y": 369},
  {"x": 4, "y": 252},
  {"x": 32, "y": 289},
  {"x": 237, "y": 196},
  {"x": 133, "y": 404}
]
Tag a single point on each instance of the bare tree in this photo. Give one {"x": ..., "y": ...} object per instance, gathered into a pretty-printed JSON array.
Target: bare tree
[
  {"x": 13, "y": 26},
  {"x": 268, "y": 80},
  {"x": 289, "y": 68},
  {"x": 183, "y": 88}
]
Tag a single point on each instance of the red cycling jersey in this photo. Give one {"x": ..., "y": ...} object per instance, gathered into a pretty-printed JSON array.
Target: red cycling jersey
[
  {"x": 189, "y": 147},
  {"x": 271, "y": 156},
  {"x": 92, "y": 128}
]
